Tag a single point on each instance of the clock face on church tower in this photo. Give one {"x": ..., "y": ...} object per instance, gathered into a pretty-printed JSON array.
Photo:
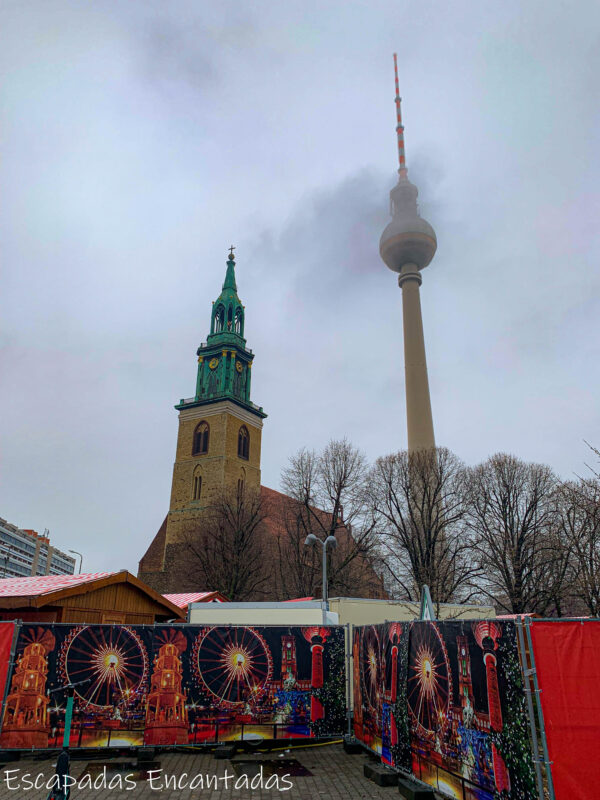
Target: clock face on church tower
[
  {"x": 213, "y": 363},
  {"x": 238, "y": 366}
]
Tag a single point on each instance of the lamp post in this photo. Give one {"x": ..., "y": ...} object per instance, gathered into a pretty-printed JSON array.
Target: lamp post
[
  {"x": 75, "y": 553},
  {"x": 62, "y": 788},
  {"x": 331, "y": 542}
]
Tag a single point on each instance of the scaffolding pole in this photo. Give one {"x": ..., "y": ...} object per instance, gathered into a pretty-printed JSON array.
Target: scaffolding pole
[
  {"x": 537, "y": 691},
  {"x": 527, "y": 673}
]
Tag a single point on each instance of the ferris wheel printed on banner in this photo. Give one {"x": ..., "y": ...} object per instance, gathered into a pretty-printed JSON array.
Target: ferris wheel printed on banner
[
  {"x": 109, "y": 663},
  {"x": 429, "y": 680},
  {"x": 371, "y": 665},
  {"x": 234, "y": 664}
]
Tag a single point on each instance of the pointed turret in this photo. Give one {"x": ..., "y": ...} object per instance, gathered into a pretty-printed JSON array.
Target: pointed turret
[
  {"x": 228, "y": 311},
  {"x": 229, "y": 282}
]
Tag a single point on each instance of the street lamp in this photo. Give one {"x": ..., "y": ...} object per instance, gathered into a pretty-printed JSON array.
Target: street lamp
[
  {"x": 331, "y": 542},
  {"x": 75, "y": 553}
]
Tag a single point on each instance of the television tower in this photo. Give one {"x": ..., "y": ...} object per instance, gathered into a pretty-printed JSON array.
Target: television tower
[{"x": 407, "y": 246}]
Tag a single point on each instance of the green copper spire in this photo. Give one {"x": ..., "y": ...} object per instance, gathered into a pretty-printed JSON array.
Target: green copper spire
[
  {"x": 228, "y": 312},
  {"x": 230, "y": 274},
  {"x": 224, "y": 362}
]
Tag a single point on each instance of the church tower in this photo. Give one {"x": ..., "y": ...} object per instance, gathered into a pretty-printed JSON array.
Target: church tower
[{"x": 219, "y": 438}]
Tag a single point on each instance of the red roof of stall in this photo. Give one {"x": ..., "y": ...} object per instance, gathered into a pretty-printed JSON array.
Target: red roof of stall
[
  {"x": 46, "y": 584},
  {"x": 183, "y": 600},
  {"x": 299, "y": 600}
]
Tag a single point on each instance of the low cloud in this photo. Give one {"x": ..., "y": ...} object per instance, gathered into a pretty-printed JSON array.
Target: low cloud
[{"x": 141, "y": 139}]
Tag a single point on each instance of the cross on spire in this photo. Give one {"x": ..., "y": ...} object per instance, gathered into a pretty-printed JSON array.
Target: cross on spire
[{"x": 231, "y": 256}]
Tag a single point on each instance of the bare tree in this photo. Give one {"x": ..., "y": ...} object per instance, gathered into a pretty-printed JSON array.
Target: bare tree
[
  {"x": 596, "y": 452},
  {"x": 512, "y": 512},
  {"x": 327, "y": 495},
  {"x": 579, "y": 521},
  {"x": 226, "y": 546},
  {"x": 419, "y": 499},
  {"x": 560, "y": 568}
]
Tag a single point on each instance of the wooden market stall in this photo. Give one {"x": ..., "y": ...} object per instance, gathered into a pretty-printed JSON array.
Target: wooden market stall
[{"x": 94, "y": 598}]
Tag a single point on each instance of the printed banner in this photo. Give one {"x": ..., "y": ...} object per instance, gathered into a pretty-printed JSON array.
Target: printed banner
[
  {"x": 169, "y": 685},
  {"x": 6, "y": 636},
  {"x": 109, "y": 666},
  {"x": 566, "y": 661},
  {"x": 380, "y": 657},
  {"x": 459, "y": 719}
]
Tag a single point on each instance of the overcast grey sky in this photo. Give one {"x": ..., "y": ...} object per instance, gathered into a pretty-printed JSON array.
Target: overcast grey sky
[{"x": 141, "y": 139}]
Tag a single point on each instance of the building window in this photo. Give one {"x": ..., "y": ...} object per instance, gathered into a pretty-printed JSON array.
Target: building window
[
  {"x": 240, "y": 487},
  {"x": 197, "y": 492},
  {"x": 243, "y": 443},
  {"x": 238, "y": 321},
  {"x": 201, "y": 439},
  {"x": 219, "y": 319}
]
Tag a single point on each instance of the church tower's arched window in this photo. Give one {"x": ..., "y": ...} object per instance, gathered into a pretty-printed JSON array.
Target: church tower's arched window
[
  {"x": 239, "y": 321},
  {"x": 219, "y": 319},
  {"x": 201, "y": 437},
  {"x": 243, "y": 443},
  {"x": 229, "y": 318},
  {"x": 197, "y": 487},
  {"x": 241, "y": 484}
]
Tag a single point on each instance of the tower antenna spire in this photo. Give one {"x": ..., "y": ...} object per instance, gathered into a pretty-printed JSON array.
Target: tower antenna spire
[{"x": 402, "y": 170}]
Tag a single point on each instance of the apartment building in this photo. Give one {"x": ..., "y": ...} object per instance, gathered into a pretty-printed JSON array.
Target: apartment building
[{"x": 26, "y": 552}]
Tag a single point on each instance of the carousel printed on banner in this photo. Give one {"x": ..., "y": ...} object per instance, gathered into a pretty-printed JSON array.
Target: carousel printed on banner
[
  {"x": 461, "y": 723},
  {"x": 174, "y": 684}
]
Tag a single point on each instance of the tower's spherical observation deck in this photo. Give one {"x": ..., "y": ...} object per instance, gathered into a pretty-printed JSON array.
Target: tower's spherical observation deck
[{"x": 408, "y": 239}]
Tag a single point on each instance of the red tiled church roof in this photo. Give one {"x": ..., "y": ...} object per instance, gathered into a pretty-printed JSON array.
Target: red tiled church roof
[
  {"x": 152, "y": 558},
  {"x": 278, "y": 508}
]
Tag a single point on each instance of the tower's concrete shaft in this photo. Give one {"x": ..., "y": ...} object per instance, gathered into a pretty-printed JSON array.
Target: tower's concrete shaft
[{"x": 419, "y": 420}]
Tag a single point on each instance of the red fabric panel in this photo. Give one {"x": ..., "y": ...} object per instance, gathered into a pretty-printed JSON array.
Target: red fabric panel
[
  {"x": 6, "y": 636},
  {"x": 568, "y": 670}
]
